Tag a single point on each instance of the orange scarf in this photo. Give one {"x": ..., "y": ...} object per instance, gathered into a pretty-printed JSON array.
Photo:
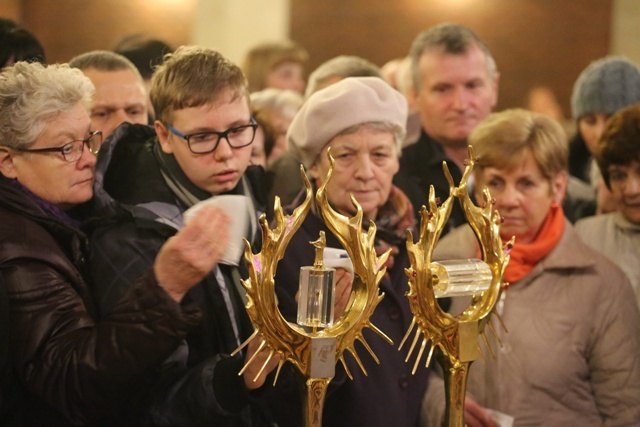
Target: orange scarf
[{"x": 525, "y": 256}]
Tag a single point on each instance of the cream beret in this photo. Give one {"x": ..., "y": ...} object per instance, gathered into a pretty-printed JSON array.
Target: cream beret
[{"x": 349, "y": 102}]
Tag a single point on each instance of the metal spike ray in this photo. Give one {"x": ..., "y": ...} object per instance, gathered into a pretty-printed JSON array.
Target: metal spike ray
[
  {"x": 416, "y": 337},
  {"x": 497, "y": 315},
  {"x": 481, "y": 353},
  {"x": 381, "y": 334},
  {"x": 422, "y": 347},
  {"x": 280, "y": 365},
  {"x": 357, "y": 359},
  {"x": 346, "y": 368},
  {"x": 486, "y": 343},
  {"x": 245, "y": 343},
  {"x": 493, "y": 330},
  {"x": 426, "y": 365},
  {"x": 408, "y": 333},
  {"x": 264, "y": 365},
  {"x": 369, "y": 350}
]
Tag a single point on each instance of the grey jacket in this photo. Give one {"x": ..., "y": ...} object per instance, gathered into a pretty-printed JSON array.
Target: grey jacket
[
  {"x": 572, "y": 353},
  {"x": 613, "y": 235}
]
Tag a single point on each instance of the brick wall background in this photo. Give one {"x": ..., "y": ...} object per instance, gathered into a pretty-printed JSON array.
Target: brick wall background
[{"x": 534, "y": 41}]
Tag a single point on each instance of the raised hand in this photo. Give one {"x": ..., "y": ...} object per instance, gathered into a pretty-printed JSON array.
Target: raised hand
[
  {"x": 192, "y": 253},
  {"x": 253, "y": 378},
  {"x": 344, "y": 282},
  {"x": 475, "y": 415}
]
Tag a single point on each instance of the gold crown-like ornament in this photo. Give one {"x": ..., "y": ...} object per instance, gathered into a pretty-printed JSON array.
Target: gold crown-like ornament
[
  {"x": 307, "y": 350},
  {"x": 456, "y": 338}
]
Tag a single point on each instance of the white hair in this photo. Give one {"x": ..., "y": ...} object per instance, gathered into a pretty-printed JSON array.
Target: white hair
[{"x": 32, "y": 94}]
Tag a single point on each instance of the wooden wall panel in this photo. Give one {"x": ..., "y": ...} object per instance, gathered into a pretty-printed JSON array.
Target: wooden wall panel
[
  {"x": 534, "y": 41},
  {"x": 11, "y": 9},
  {"x": 69, "y": 27}
]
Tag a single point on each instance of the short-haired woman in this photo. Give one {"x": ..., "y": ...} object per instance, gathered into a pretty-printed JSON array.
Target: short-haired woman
[{"x": 571, "y": 356}]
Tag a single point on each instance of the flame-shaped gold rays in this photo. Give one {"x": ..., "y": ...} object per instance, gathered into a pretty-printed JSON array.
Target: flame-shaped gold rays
[
  {"x": 291, "y": 342},
  {"x": 456, "y": 337}
]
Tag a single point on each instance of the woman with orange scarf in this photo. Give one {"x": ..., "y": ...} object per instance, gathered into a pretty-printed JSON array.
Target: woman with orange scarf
[{"x": 572, "y": 353}]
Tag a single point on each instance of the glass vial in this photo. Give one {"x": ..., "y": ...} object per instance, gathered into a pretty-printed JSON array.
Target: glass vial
[
  {"x": 316, "y": 296},
  {"x": 460, "y": 277}
]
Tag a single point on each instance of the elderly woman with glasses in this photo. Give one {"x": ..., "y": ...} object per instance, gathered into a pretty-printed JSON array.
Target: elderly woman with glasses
[
  {"x": 571, "y": 356},
  {"x": 362, "y": 120},
  {"x": 69, "y": 366}
]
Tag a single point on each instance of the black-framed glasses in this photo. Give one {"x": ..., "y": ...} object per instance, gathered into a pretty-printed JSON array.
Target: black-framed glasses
[
  {"x": 207, "y": 142},
  {"x": 73, "y": 150}
]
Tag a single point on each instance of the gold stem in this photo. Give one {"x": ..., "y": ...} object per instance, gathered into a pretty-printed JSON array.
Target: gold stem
[
  {"x": 314, "y": 401},
  {"x": 455, "y": 384}
]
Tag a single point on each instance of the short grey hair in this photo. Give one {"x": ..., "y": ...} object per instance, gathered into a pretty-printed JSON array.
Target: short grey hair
[
  {"x": 398, "y": 132},
  {"x": 103, "y": 60},
  {"x": 32, "y": 94},
  {"x": 447, "y": 38},
  {"x": 285, "y": 102},
  {"x": 341, "y": 66}
]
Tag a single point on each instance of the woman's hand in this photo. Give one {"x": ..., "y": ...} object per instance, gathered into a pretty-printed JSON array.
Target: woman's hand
[
  {"x": 344, "y": 283},
  {"x": 192, "y": 252},
  {"x": 475, "y": 415},
  {"x": 252, "y": 370}
]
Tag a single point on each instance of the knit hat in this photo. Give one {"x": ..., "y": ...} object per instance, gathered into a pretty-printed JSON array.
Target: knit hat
[
  {"x": 349, "y": 102},
  {"x": 606, "y": 86}
]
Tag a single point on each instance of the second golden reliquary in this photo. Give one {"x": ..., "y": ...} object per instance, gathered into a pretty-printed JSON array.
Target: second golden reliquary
[{"x": 454, "y": 339}]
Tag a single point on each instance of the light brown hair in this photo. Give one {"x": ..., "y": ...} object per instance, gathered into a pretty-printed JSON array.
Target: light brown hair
[
  {"x": 193, "y": 76},
  {"x": 263, "y": 58},
  {"x": 620, "y": 140},
  {"x": 503, "y": 139}
]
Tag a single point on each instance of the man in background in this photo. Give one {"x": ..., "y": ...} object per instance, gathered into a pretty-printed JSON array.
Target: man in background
[
  {"x": 456, "y": 85},
  {"x": 120, "y": 94}
]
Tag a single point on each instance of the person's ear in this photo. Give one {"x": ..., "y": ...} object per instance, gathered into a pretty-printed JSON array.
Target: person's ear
[
  {"x": 478, "y": 186},
  {"x": 495, "y": 84},
  {"x": 163, "y": 137},
  {"x": 7, "y": 168},
  {"x": 559, "y": 186},
  {"x": 396, "y": 166},
  {"x": 313, "y": 170}
]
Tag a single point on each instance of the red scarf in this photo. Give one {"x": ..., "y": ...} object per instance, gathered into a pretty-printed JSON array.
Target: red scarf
[{"x": 525, "y": 256}]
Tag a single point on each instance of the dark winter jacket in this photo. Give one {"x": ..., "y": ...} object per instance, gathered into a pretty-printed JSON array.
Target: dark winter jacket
[
  {"x": 421, "y": 167},
  {"x": 70, "y": 367},
  {"x": 140, "y": 212}
]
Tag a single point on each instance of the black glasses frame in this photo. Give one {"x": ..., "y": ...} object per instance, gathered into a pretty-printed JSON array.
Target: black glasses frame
[
  {"x": 225, "y": 134},
  {"x": 65, "y": 149}
]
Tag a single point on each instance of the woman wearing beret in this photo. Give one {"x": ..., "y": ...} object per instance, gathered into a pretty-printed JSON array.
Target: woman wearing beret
[
  {"x": 362, "y": 120},
  {"x": 571, "y": 356}
]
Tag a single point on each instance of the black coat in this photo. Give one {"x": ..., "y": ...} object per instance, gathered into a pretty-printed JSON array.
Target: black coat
[
  {"x": 68, "y": 366},
  {"x": 5, "y": 364},
  {"x": 580, "y": 159},
  {"x": 421, "y": 167},
  {"x": 139, "y": 213}
]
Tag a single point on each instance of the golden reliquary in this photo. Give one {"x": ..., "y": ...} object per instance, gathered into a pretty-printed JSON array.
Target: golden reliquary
[{"x": 318, "y": 341}]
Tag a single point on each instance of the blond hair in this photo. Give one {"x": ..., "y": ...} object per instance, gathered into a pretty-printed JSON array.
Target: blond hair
[
  {"x": 503, "y": 139},
  {"x": 193, "y": 76},
  {"x": 263, "y": 58}
]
